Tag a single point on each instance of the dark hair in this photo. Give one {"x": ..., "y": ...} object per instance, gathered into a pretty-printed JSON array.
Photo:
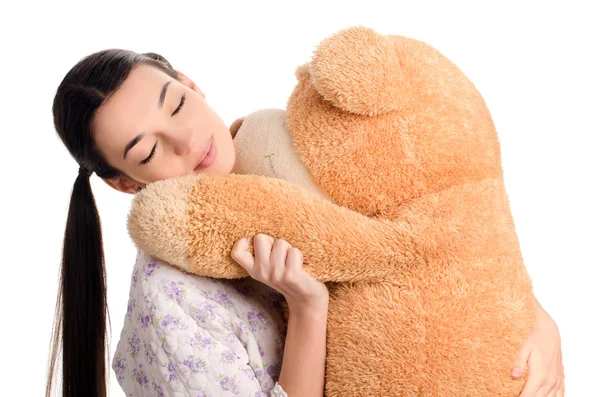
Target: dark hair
[{"x": 81, "y": 307}]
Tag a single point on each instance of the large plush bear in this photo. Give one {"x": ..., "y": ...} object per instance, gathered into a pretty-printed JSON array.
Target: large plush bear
[{"x": 385, "y": 172}]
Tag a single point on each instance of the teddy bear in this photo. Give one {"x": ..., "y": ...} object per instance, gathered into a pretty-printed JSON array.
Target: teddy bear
[{"x": 385, "y": 171}]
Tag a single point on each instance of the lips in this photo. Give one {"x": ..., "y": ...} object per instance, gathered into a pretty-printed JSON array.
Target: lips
[{"x": 208, "y": 155}]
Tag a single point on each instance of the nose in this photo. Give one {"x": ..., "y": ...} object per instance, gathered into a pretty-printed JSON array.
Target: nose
[{"x": 182, "y": 140}]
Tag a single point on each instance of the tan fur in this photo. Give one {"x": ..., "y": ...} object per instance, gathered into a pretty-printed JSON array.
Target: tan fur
[
  {"x": 163, "y": 203},
  {"x": 430, "y": 294}
]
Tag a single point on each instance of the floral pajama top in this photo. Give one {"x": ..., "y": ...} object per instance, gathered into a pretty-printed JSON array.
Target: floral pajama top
[{"x": 186, "y": 335}]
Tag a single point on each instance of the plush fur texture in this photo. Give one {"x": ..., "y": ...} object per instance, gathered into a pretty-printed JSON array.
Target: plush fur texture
[{"x": 405, "y": 213}]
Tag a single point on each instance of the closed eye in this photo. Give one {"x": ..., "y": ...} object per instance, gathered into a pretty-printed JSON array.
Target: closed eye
[
  {"x": 153, "y": 151},
  {"x": 147, "y": 159},
  {"x": 180, "y": 105}
]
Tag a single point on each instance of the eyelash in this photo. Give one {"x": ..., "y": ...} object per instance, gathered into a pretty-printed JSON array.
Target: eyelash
[
  {"x": 147, "y": 159},
  {"x": 180, "y": 105}
]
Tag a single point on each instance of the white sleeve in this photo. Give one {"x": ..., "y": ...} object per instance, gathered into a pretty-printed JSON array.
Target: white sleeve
[
  {"x": 278, "y": 391},
  {"x": 175, "y": 342}
]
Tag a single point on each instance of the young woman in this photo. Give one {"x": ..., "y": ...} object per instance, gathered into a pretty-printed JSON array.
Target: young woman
[{"x": 132, "y": 119}]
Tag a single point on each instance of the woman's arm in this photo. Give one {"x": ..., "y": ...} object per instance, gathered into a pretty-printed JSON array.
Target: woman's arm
[
  {"x": 279, "y": 265},
  {"x": 303, "y": 367}
]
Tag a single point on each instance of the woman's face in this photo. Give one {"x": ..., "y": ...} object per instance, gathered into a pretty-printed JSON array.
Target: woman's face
[{"x": 148, "y": 131}]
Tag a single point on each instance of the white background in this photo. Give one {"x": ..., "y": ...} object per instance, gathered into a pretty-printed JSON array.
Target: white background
[{"x": 536, "y": 65}]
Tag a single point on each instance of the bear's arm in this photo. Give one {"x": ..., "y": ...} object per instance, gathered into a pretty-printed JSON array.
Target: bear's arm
[{"x": 201, "y": 218}]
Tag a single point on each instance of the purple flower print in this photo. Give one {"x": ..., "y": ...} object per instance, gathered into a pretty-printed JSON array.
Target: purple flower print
[
  {"x": 158, "y": 389},
  {"x": 257, "y": 321},
  {"x": 174, "y": 290},
  {"x": 260, "y": 394},
  {"x": 228, "y": 357},
  {"x": 134, "y": 344},
  {"x": 119, "y": 366},
  {"x": 140, "y": 376},
  {"x": 201, "y": 394},
  {"x": 264, "y": 379},
  {"x": 260, "y": 350},
  {"x": 150, "y": 306},
  {"x": 229, "y": 384},
  {"x": 240, "y": 329},
  {"x": 145, "y": 320},
  {"x": 172, "y": 374},
  {"x": 248, "y": 372},
  {"x": 172, "y": 322},
  {"x": 195, "y": 364},
  {"x": 130, "y": 306},
  {"x": 274, "y": 299},
  {"x": 223, "y": 298},
  {"x": 150, "y": 354},
  {"x": 203, "y": 311},
  {"x": 149, "y": 269},
  {"x": 242, "y": 287},
  {"x": 135, "y": 277},
  {"x": 201, "y": 342},
  {"x": 274, "y": 370}
]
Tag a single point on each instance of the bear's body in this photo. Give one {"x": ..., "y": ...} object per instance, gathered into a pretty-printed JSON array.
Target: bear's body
[{"x": 402, "y": 208}]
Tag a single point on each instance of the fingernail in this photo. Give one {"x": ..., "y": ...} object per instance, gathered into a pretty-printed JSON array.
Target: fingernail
[{"x": 516, "y": 372}]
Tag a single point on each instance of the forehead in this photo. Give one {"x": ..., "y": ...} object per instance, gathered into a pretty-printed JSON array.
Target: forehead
[{"x": 126, "y": 112}]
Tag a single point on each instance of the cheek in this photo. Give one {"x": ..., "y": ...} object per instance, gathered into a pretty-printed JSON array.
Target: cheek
[
  {"x": 165, "y": 166},
  {"x": 225, "y": 156},
  {"x": 226, "y": 147}
]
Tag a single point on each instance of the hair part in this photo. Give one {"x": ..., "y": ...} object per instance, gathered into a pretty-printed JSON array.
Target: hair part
[{"x": 79, "y": 330}]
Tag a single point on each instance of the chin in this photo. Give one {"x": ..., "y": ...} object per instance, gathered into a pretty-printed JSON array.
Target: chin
[{"x": 220, "y": 167}]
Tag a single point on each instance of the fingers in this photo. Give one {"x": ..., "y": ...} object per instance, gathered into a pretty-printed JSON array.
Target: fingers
[
  {"x": 548, "y": 391},
  {"x": 532, "y": 386},
  {"x": 279, "y": 265},
  {"x": 268, "y": 262},
  {"x": 293, "y": 276},
  {"x": 278, "y": 259},
  {"x": 263, "y": 245},
  {"x": 551, "y": 388},
  {"x": 293, "y": 267},
  {"x": 561, "y": 390},
  {"x": 534, "y": 381},
  {"x": 241, "y": 255},
  {"x": 545, "y": 376},
  {"x": 520, "y": 362},
  {"x": 541, "y": 384}
]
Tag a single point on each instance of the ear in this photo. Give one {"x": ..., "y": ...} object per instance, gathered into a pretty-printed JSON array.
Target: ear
[
  {"x": 124, "y": 184},
  {"x": 358, "y": 70},
  {"x": 189, "y": 83},
  {"x": 235, "y": 126}
]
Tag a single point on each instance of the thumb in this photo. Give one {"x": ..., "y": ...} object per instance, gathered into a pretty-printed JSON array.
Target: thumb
[{"x": 520, "y": 362}]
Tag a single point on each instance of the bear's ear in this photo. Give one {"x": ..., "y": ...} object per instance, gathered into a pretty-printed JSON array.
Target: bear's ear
[
  {"x": 235, "y": 126},
  {"x": 358, "y": 70}
]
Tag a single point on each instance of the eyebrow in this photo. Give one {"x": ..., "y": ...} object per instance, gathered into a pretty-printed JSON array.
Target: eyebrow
[{"x": 161, "y": 101}]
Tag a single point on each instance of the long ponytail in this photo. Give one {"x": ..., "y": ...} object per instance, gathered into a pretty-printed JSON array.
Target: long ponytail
[
  {"x": 81, "y": 307},
  {"x": 80, "y": 322}
]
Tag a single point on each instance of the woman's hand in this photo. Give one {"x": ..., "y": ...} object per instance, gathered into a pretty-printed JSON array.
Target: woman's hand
[
  {"x": 279, "y": 265},
  {"x": 542, "y": 354}
]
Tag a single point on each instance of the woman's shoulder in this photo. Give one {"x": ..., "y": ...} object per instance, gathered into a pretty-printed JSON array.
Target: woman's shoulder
[
  {"x": 169, "y": 294},
  {"x": 154, "y": 277},
  {"x": 177, "y": 320}
]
